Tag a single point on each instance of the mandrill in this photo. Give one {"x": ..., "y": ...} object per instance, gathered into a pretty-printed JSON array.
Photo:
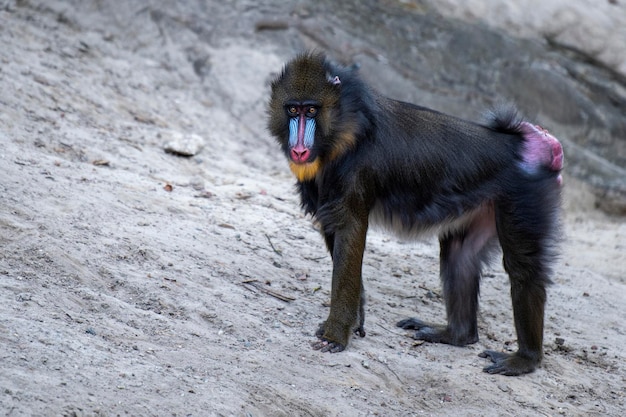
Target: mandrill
[{"x": 362, "y": 158}]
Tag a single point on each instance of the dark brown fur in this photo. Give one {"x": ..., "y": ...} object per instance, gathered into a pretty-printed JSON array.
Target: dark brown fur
[{"x": 416, "y": 170}]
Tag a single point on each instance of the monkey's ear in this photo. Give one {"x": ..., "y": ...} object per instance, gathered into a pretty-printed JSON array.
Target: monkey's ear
[{"x": 333, "y": 80}]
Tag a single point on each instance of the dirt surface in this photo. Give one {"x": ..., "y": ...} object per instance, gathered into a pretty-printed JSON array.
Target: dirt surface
[{"x": 138, "y": 282}]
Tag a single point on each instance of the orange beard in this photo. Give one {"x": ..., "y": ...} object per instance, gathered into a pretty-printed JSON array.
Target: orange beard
[{"x": 305, "y": 172}]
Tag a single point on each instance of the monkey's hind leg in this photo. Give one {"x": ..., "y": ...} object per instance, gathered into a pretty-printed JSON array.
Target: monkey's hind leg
[
  {"x": 527, "y": 227},
  {"x": 462, "y": 256}
]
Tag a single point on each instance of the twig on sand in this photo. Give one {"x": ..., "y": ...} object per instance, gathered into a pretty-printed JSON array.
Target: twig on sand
[
  {"x": 272, "y": 245},
  {"x": 257, "y": 285}
]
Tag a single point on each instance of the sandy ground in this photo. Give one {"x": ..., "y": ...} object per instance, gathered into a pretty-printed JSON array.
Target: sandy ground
[{"x": 137, "y": 282}]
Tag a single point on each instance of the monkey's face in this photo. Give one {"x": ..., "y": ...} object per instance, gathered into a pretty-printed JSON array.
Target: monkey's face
[
  {"x": 301, "y": 109},
  {"x": 302, "y": 123}
]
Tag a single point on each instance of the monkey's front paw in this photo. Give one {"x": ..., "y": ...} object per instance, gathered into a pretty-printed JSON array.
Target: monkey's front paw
[
  {"x": 324, "y": 345},
  {"x": 508, "y": 364},
  {"x": 333, "y": 336}
]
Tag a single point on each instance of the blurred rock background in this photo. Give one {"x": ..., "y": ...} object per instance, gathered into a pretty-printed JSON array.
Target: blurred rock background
[{"x": 562, "y": 62}]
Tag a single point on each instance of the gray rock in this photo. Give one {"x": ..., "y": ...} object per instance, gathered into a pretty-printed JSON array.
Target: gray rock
[{"x": 183, "y": 144}]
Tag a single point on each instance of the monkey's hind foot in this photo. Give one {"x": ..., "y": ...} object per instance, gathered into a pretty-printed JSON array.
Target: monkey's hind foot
[
  {"x": 509, "y": 364},
  {"x": 435, "y": 333}
]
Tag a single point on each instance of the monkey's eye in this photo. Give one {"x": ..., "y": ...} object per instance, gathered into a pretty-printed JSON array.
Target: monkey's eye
[
  {"x": 292, "y": 111},
  {"x": 311, "y": 111}
]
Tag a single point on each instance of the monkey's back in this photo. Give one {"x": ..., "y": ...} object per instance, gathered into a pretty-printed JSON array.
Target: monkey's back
[{"x": 436, "y": 168}]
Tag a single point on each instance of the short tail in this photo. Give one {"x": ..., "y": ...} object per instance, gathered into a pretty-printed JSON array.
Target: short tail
[{"x": 505, "y": 119}]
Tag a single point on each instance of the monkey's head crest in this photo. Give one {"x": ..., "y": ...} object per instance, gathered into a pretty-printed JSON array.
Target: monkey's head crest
[{"x": 309, "y": 76}]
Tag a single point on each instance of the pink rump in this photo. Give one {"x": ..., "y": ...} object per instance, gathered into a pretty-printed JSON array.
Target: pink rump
[{"x": 541, "y": 149}]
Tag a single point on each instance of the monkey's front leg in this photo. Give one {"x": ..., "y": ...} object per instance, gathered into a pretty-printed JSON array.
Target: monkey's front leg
[{"x": 346, "y": 304}]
